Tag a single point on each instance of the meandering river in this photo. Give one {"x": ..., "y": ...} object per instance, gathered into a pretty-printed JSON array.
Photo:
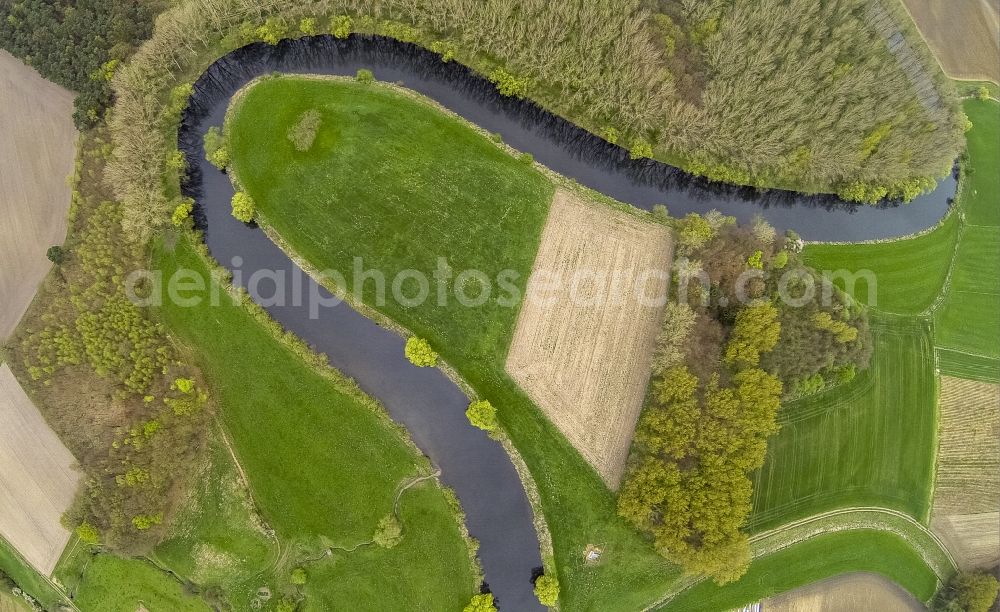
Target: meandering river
[{"x": 426, "y": 402}]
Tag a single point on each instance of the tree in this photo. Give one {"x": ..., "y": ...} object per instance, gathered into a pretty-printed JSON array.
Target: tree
[
  {"x": 308, "y": 26},
  {"x": 244, "y": 208},
  {"x": 182, "y": 211},
  {"x": 88, "y": 534},
  {"x": 756, "y": 331},
  {"x": 389, "y": 532},
  {"x": 547, "y": 590},
  {"x": 420, "y": 353},
  {"x": 364, "y": 76},
  {"x": 967, "y": 592},
  {"x": 640, "y": 149},
  {"x": 983, "y": 93},
  {"x": 508, "y": 84},
  {"x": 693, "y": 231},
  {"x": 216, "y": 151},
  {"x": 483, "y": 415},
  {"x": 56, "y": 254},
  {"x": 341, "y": 26},
  {"x": 481, "y": 603},
  {"x": 298, "y": 576}
]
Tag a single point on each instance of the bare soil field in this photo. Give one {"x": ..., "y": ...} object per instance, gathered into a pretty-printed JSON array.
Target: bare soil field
[
  {"x": 585, "y": 334},
  {"x": 967, "y": 489},
  {"x": 37, "y": 479},
  {"x": 964, "y": 36},
  {"x": 847, "y": 593},
  {"x": 36, "y": 156}
]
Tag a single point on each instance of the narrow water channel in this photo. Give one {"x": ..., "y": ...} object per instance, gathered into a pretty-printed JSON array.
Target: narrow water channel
[{"x": 427, "y": 403}]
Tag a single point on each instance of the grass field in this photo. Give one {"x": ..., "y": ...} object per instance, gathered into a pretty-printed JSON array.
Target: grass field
[
  {"x": 820, "y": 557},
  {"x": 14, "y": 565},
  {"x": 37, "y": 152},
  {"x": 289, "y": 424},
  {"x": 106, "y": 583},
  {"x": 869, "y": 443},
  {"x": 218, "y": 540}
]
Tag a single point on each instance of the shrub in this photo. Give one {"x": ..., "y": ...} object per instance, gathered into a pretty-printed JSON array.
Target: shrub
[
  {"x": 389, "y": 532},
  {"x": 547, "y": 590},
  {"x": 341, "y": 26},
  {"x": 216, "y": 151},
  {"x": 244, "y": 208},
  {"x": 273, "y": 30},
  {"x": 610, "y": 134},
  {"x": 640, "y": 149},
  {"x": 298, "y": 576},
  {"x": 308, "y": 26},
  {"x": 420, "y": 353},
  {"x": 142, "y": 522},
  {"x": 182, "y": 211},
  {"x": 508, "y": 84},
  {"x": 481, "y": 603},
  {"x": 303, "y": 133},
  {"x": 364, "y": 76},
  {"x": 483, "y": 415},
  {"x": 56, "y": 254},
  {"x": 526, "y": 158},
  {"x": 445, "y": 49},
  {"x": 983, "y": 93},
  {"x": 88, "y": 534}
]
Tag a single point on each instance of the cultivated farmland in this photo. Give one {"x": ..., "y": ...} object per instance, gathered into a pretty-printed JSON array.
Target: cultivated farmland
[
  {"x": 845, "y": 594},
  {"x": 968, "y": 471},
  {"x": 867, "y": 443},
  {"x": 36, "y": 478},
  {"x": 965, "y": 36},
  {"x": 583, "y": 351},
  {"x": 37, "y": 152}
]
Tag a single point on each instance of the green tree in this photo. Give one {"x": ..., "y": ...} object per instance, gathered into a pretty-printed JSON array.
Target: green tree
[
  {"x": 182, "y": 211},
  {"x": 341, "y": 26},
  {"x": 983, "y": 93},
  {"x": 420, "y": 353},
  {"x": 967, "y": 592},
  {"x": 508, "y": 84},
  {"x": 364, "y": 76},
  {"x": 88, "y": 534},
  {"x": 547, "y": 590},
  {"x": 298, "y": 576},
  {"x": 640, "y": 149},
  {"x": 693, "y": 231},
  {"x": 481, "y": 603},
  {"x": 483, "y": 415},
  {"x": 244, "y": 207},
  {"x": 308, "y": 26},
  {"x": 216, "y": 151},
  {"x": 389, "y": 532},
  {"x": 756, "y": 331},
  {"x": 56, "y": 254}
]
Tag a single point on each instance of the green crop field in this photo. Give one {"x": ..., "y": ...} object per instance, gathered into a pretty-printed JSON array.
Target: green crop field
[
  {"x": 288, "y": 425},
  {"x": 12, "y": 564},
  {"x": 870, "y": 442},
  {"x": 815, "y": 559}
]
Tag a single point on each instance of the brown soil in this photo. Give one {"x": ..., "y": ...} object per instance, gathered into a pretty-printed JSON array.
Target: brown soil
[
  {"x": 37, "y": 479},
  {"x": 36, "y": 157},
  {"x": 964, "y": 36},
  {"x": 848, "y": 593},
  {"x": 583, "y": 350}
]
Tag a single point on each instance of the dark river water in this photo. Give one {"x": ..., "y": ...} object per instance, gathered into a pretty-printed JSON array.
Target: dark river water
[{"x": 426, "y": 402}]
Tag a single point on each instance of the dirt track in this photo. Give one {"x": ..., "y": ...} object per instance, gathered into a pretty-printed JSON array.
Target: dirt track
[
  {"x": 36, "y": 156},
  {"x": 37, "y": 480},
  {"x": 962, "y": 35},
  {"x": 583, "y": 350},
  {"x": 848, "y": 593}
]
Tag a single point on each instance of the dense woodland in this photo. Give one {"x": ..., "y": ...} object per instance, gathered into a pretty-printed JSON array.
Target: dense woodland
[
  {"x": 725, "y": 358},
  {"x": 77, "y": 44}
]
